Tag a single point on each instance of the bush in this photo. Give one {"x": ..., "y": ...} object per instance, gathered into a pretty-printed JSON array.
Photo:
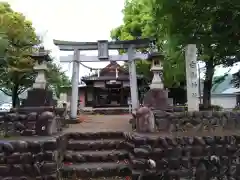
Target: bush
[
  {"x": 211, "y": 108},
  {"x": 236, "y": 108},
  {"x": 180, "y": 108}
]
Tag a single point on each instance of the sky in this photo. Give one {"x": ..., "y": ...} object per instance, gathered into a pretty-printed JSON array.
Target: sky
[
  {"x": 72, "y": 20},
  {"x": 76, "y": 20}
]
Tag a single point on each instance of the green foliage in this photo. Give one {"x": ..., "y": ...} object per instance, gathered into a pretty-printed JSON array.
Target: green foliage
[
  {"x": 218, "y": 80},
  {"x": 236, "y": 108},
  {"x": 211, "y": 108},
  {"x": 138, "y": 23},
  {"x": 212, "y": 25},
  {"x": 236, "y": 79},
  {"x": 142, "y": 68},
  {"x": 57, "y": 78},
  {"x": 203, "y": 23},
  {"x": 16, "y": 66},
  {"x": 17, "y": 44}
]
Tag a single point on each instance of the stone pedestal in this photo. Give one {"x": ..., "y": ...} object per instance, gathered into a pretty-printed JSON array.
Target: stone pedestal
[
  {"x": 39, "y": 97},
  {"x": 156, "y": 99}
]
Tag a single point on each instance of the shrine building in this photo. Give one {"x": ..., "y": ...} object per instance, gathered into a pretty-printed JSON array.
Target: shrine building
[{"x": 110, "y": 88}]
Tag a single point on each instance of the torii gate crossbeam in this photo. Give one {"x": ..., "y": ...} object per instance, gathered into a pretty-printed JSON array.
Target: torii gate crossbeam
[{"x": 103, "y": 46}]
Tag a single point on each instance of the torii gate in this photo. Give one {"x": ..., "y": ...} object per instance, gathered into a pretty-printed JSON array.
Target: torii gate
[{"x": 103, "y": 47}]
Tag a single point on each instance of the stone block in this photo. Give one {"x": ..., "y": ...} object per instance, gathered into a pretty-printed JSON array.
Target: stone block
[
  {"x": 50, "y": 145},
  {"x": 45, "y": 98},
  {"x": 27, "y": 122},
  {"x": 175, "y": 157}
]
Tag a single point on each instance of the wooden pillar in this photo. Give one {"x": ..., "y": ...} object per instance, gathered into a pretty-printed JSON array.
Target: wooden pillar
[
  {"x": 86, "y": 96},
  {"x": 121, "y": 94},
  {"x": 93, "y": 97}
]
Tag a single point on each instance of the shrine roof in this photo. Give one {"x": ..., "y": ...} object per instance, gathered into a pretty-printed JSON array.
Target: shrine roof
[
  {"x": 109, "y": 73},
  {"x": 104, "y": 78}
]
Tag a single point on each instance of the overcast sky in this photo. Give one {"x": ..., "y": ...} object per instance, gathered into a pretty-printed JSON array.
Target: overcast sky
[{"x": 75, "y": 20}]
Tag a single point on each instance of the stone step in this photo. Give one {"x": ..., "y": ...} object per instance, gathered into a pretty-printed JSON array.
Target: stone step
[
  {"x": 95, "y": 135},
  {"x": 100, "y": 144},
  {"x": 147, "y": 175},
  {"x": 95, "y": 156},
  {"x": 95, "y": 170},
  {"x": 109, "y": 178}
]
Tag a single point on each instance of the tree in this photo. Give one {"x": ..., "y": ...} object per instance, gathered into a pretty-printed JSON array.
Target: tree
[
  {"x": 138, "y": 22},
  {"x": 56, "y": 78},
  {"x": 16, "y": 66},
  {"x": 203, "y": 23},
  {"x": 143, "y": 68},
  {"x": 236, "y": 79},
  {"x": 17, "y": 74}
]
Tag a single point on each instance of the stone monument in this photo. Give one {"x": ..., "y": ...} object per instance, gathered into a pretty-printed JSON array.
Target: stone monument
[{"x": 192, "y": 78}]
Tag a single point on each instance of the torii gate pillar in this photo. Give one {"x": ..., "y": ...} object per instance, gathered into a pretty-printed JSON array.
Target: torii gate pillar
[
  {"x": 133, "y": 79},
  {"x": 75, "y": 81}
]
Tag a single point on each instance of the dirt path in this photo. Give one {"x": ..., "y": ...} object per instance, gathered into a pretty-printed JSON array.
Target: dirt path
[{"x": 97, "y": 123}]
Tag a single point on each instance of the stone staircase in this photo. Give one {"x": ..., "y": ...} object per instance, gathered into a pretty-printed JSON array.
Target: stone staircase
[{"x": 95, "y": 155}]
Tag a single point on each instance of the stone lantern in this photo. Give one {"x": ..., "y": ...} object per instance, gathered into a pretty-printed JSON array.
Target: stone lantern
[
  {"x": 40, "y": 67},
  {"x": 157, "y": 96},
  {"x": 40, "y": 90},
  {"x": 157, "y": 69}
]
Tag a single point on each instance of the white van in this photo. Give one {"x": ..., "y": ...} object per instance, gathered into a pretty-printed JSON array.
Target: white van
[{"x": 6, "y": 107}]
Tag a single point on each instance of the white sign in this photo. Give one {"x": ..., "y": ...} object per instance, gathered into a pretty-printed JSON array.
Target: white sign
[{"x": 192, "y": 79}]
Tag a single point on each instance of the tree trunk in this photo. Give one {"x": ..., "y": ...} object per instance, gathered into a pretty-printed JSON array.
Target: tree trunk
[
  {"x": 15, "y": 99},
  {"x": 208, "y": 84}
]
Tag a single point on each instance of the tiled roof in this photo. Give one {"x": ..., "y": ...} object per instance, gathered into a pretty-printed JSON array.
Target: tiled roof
[
  {"x": 225, "y": 87},
  {"x": 231, "y": 91},
  {"x": 103, "y": 78},
  {"x": 108, "y": 73}
]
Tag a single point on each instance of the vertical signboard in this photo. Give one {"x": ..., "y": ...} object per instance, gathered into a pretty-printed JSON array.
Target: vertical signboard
[
  {"x": 103, "y": 49},
  {"x": 191, "y": 75}
]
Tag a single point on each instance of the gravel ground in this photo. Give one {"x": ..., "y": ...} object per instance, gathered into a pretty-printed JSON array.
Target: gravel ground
[{"x": 99, "y": 123}]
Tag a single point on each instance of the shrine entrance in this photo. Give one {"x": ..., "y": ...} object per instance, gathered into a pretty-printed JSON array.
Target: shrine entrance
[
  {"x": 111, "y": 97},
  {"x": 110, "y": 88},
  {"x": 113, "y": 91}
]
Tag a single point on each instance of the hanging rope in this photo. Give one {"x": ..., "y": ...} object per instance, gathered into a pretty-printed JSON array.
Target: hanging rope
[{"x": 91, "y": 69}]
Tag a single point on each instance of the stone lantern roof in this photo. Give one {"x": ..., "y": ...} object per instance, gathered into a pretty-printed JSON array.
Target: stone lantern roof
[
  {"x": 155, "y": 55},
  {"x": 41, "y": 55}
]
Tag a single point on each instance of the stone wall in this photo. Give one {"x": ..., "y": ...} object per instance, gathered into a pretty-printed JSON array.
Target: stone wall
[
  {"x": 31, "y": 159},
  {"x": 199, "y": 158},
  {"x": 194, "y": 122},
  {"x": 31, "y": 121},
  {"x": 197, "y": 121}
]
